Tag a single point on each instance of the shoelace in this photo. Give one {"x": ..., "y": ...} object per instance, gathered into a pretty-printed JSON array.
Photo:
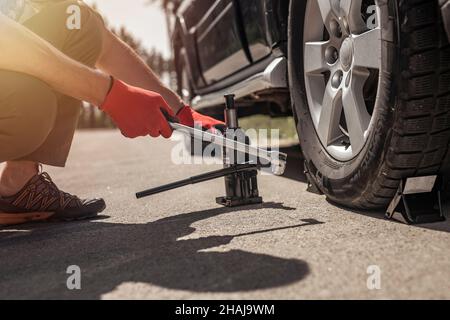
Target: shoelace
[{"x": 54, "y": 190}]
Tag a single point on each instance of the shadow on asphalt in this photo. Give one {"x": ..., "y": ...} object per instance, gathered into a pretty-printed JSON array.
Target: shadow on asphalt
[
  {"x": 295, "y": 171},
  {"x": 380, "y": 215},
  {"x": 110, "y": 254}
]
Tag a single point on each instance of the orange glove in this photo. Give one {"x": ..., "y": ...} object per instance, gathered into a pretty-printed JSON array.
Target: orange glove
[
  {"x": 189, "y": 117},
  {"x": 137, "y": 112}
]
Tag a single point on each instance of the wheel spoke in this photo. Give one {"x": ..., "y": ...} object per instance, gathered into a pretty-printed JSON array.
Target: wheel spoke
[
  {"x": 328, "y": 126},
  {"x": 355, "y": 110},
  {"x": 315, "y": 57},
  {"x": 367, "y": 49},
  {"x": 326, "y": 9},
  {"x": 352, "y": 10}
]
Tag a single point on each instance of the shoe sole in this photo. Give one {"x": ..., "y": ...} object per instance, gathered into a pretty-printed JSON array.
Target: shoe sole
[
  {"x": 86, "y": 216},
  {"x": 9, "y": 219}
]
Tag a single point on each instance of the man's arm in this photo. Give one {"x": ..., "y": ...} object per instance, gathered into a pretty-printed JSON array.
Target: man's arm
[
  {"x": 137, "y": 112},
  {"x": 119, "y": 60},
  {"x": 23, "y": 51}
]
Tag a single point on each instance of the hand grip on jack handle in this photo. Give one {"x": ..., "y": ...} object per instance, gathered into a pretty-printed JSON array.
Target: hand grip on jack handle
[
  {"x": 277, "y": 159},
  {"x": 170, "y": 119}
]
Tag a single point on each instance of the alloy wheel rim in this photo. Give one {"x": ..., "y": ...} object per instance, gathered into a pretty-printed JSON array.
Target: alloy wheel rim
[{"x": 342, "y": 63}]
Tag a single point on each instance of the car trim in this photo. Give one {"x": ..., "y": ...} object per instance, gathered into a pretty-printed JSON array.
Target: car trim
[{"x": 274, "y": 76}]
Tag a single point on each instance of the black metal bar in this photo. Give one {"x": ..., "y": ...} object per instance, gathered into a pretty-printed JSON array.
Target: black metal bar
[{"x": 198, "y": 179}]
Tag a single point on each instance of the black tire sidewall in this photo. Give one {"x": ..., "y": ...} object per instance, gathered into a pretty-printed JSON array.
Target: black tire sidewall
[{"x": 343, "y": 182}]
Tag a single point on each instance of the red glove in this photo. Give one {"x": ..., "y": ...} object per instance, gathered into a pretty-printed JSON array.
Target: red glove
[
  {"x": 137, "y": 112},
  {"x": 190, "y": 117}
]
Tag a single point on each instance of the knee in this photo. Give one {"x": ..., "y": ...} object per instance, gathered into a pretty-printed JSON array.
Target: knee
[
  {"x": 90, "y": 37},
  {"x": 72, "y": 27},
  {"x": 77, "y": 16},
  {"x": 85, "y": 35},
  {"x": 34, "y": 108}
]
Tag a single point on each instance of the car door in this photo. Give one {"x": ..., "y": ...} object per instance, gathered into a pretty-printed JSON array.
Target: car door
[
  {"x": 220, "y": 47},
  {"x": 256, "y": 17}
]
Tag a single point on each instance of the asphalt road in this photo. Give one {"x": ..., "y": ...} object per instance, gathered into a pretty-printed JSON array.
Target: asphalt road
[{"x": 181, "y": 245}]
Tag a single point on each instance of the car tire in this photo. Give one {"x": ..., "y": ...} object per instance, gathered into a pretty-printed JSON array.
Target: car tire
[{"x": 409, "y": 129}]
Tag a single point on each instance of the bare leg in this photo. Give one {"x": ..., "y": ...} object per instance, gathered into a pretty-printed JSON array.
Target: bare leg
[{"x": 14, "y": 175}]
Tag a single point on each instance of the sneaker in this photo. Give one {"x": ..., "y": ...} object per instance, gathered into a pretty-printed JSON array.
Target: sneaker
[{"x": 41, "y": 200}]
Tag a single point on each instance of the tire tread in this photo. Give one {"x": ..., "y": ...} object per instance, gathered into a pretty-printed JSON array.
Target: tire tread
[{"x": 421, "y": 132}]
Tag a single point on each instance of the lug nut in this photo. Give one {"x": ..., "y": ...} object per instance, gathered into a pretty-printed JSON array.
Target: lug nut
[
  {"x": 336, "y": 80},
  {"x": 331, "y": 55}
]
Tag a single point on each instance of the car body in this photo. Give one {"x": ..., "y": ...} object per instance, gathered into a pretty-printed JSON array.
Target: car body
[
  {"x": 238, "y": 46},
  {"x": 232, "y": 46},
  {"x": 367, "y": 81}
]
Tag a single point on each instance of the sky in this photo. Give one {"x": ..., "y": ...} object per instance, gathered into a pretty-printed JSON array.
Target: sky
[{"x": 146, "y": 22}]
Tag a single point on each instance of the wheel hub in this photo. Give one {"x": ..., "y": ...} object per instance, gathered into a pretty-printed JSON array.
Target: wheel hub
[
  {"x": 341, "y": 52},
  {"x": 346, "y": 54}
]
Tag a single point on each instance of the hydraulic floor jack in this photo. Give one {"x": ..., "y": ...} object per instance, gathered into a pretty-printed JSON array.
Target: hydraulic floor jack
[{"x": 241, "y": 184}]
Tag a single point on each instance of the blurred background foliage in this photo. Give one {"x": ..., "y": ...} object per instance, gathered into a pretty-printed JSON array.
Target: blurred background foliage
[{"x": 167, "y": 4}]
